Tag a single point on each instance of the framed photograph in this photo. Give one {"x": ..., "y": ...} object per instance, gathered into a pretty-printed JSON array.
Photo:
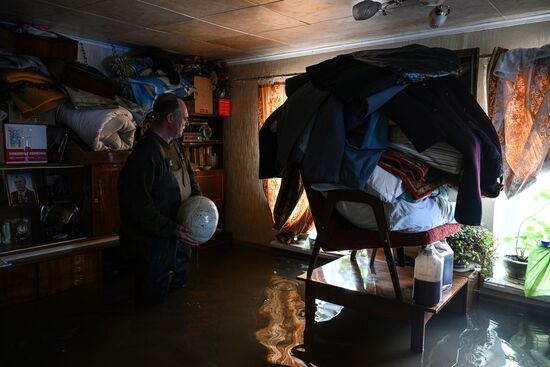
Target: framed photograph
[
  {"x": 469, "y": 63},
  {"x": 20, "y": 189}
]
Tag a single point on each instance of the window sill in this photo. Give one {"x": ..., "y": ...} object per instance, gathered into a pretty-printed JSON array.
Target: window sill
[{"x": 500, "y": 287}]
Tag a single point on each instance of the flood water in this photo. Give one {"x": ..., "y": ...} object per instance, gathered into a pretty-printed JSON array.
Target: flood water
[{"x": 244, "y": 307}]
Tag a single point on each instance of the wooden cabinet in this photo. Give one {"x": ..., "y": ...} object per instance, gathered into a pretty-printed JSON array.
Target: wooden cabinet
[
  {"x": 105, "y": 213},
  {"x": 104, "y": 168},
  {"x": 18, "y": 284},
  {"x": 41, "y": 271},
  {"x": 211, "y": 184},
  {"x": 49, "y": 243},
  {"x": 56, "y": 206},
  {"x": 60, "y": 274}
]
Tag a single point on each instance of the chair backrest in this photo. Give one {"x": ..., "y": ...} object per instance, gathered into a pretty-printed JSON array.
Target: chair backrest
[{"x": 340, "y": 234}]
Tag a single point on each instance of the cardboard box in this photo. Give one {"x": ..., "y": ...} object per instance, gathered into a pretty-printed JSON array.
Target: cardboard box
[
  {"x": 16, "y": 117},
  {"x": 203, "y": 95},
  {"x": 25, "y": 143}
]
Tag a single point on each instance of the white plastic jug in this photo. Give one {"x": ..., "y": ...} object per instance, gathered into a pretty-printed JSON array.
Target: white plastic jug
[
  {"x": 448, "y": 255},
  {"x": 428, "y": 271}
]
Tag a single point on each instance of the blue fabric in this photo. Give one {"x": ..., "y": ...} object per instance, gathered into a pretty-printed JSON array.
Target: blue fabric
[
  {"x": 363, "y": 150},
  {"x": 146, "y": 90},
  {"x": 366, "y": 140},
  {"x": 342, "y": 147}
]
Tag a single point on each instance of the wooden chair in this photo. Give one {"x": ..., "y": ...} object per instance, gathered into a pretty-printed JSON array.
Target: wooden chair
[{"x": 335, "y": 233}]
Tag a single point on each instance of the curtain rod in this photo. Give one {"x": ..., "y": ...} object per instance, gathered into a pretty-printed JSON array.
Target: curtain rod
[
  {"x": 268, "y": 76},
  {"x": 294, "y": 74}
]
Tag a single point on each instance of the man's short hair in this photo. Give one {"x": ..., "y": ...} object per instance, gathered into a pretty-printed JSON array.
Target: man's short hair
[{"x": 164, "y": 105}]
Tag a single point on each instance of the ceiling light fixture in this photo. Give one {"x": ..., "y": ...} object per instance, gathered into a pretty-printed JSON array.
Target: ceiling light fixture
[
  {"x": 438, "y": 15},
  {"x": 366, "y": 9}
]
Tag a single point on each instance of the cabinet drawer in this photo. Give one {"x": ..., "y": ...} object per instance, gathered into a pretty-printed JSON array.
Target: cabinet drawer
[
  {"x": 67, "y": 272},
  {"x": 17, "y": 284}
]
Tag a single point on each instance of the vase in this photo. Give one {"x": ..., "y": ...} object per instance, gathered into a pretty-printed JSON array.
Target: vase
[
  {"x": 515, "y": 269},
  {"x": 462, "y": 267}
]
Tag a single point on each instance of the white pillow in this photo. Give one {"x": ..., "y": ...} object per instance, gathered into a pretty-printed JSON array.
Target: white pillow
[
  {"x": 381, "y": 184},
  {"x": 384, "y": 185}
]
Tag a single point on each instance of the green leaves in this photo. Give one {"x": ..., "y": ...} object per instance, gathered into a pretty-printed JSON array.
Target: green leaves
[
  {"x": 475, "y": 245},
  {"x": 535, "y": 231}
]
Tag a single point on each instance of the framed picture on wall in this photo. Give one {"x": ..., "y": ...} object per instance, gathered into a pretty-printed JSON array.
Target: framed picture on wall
[
  {"x": 20, "y": 189},
  {"x": 469, "y": 65}
]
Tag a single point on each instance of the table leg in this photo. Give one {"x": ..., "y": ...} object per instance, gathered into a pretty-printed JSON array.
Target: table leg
[
  {"x": 310, "y": 314},
  {"x": 418, "y": 329}
]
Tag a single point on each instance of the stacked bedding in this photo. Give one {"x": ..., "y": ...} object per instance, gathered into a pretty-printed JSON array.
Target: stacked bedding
[
  {"x": 104, "y": 129},
  {"x": 413, "y": 206}
]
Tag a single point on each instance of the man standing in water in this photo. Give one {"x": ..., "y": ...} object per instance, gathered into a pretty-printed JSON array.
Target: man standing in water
[{"x": 154, "y": 182}]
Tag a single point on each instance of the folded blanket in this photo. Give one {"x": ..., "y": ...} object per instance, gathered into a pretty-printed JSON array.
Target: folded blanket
[
  {"x": 441, "y": 155},
  {"x": 83, "y": 100},
  {"x": 33, "y": 93},
  {"x": 101, "y": 129},
  {"x": 10, "y": 61},
  {"x": 419, "y": 178}
]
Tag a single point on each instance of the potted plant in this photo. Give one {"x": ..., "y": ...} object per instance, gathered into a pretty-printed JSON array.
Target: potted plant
[
  {"x": 474, "y": 246},
  {"x": 535, "y": 231}
]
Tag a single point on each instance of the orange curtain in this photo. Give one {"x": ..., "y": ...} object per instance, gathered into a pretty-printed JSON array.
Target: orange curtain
[
  {"x": 270, "y": 97},
  {"x": 521, "y": 115}
]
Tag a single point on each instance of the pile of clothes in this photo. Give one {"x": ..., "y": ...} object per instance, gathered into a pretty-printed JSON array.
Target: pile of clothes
[
  {"x": 34, "y": 90},
  {"x": 393, "y": 118}
]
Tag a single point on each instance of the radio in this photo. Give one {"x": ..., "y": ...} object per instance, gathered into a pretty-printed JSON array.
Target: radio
[
  {"x": 197, "y": 131},
  {"x": 192, "y": 137}
]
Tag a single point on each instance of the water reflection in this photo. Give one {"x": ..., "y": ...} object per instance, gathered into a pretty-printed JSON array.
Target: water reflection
[
  {"x": 496, "y": 340},
  {"x": 326, "y": 311},
  {"x": 282, "y": 317},
  {"x": 489, "y": 336},
  {"x": 282, "y": 320}
]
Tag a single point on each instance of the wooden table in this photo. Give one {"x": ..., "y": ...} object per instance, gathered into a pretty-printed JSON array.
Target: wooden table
[{"x": 351, "y": 283}]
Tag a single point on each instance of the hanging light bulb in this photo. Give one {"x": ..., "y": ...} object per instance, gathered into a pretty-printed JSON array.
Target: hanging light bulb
[
  {"x": 438, "y": 15},
  {"x": 366, "y": 9}
]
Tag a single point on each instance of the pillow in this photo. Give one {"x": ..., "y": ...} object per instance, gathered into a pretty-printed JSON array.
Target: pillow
[{"x": 384, "y": 185}]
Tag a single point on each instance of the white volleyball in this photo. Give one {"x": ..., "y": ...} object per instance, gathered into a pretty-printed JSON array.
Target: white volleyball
[{"x": 199, "y": 216}]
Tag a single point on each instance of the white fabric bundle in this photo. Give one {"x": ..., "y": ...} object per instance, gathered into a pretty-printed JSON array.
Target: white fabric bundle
[
  {"x": 401, "y": 215},
  {"x": 441, "y": 155},
  {"x": 111, "y": 129}
]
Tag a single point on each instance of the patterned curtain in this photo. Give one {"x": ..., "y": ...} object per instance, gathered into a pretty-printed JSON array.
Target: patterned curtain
[
  {"x": 521, "y": 115},
  {"x": 270, "y": 97}
]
